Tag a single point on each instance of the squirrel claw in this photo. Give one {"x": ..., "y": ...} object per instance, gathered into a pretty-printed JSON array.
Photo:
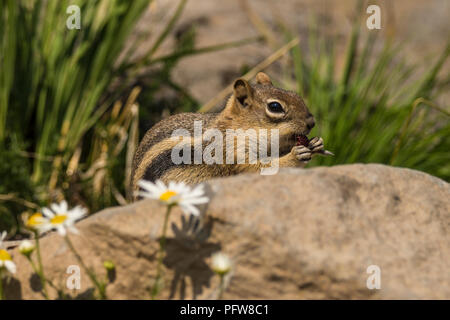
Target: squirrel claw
[{"x": 326, "y": 153}]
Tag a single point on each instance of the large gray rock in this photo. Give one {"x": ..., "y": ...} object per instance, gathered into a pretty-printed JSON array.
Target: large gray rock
[{"x": 300, "y": 234}]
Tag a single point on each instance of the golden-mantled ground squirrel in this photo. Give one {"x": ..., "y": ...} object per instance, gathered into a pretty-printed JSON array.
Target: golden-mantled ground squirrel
[{"x": 258, "y": 106}]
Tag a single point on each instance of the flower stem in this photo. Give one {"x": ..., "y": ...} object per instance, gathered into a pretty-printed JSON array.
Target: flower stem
[
  {"x": 100, "y": 287},
  {"x": 221, "y": 288},
  {"x": 162, "y": 244},
  {"x": 40, "y": 272}
]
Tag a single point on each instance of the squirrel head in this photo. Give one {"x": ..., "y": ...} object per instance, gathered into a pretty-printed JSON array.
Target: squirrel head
[{"x": 263, "y": 106}]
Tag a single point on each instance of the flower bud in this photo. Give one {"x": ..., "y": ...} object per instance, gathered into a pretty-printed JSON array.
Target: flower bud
[
  {"x": 109, "y": 265},
  {"x": 26, "y": 248},
  {"x": 221, "y": 263}
]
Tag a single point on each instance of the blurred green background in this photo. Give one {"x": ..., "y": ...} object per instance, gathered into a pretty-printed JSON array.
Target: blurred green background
[{"x": 74, "y": 103}]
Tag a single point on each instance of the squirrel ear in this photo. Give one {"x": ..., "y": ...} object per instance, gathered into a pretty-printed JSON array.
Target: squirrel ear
[
  {"x": 243, "y": 92},
  {"x": 262, "y": 78}
]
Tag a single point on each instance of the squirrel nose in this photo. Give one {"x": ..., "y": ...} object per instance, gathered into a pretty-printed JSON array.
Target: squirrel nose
[{"x": 310, "y": 123}]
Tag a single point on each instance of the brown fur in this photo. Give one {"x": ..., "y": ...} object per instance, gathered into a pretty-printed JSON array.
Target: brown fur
[{"x": 246, "y": 109}]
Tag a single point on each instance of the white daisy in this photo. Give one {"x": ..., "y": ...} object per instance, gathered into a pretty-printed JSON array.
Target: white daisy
[
  {"x": 5, "y": 257},
  {"x": 60, "y": 218},
  {"x": 175, "y": 194},
  {"x": 221, "y": 263}
]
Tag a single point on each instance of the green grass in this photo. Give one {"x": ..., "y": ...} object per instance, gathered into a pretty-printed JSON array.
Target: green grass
[
  {"x": 54, "y": 95},
  {"x": 377, "y": 109}
]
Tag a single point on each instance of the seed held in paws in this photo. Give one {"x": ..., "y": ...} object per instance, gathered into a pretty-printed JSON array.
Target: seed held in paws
[{"x": 302, "y": 140}]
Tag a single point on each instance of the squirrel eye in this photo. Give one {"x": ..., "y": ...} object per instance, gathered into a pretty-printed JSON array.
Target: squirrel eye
[{"x": 275, "y": 107}]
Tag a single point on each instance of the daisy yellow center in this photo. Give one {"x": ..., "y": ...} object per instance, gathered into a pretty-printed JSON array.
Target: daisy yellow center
[
  {"x": 59, "y": 219},
  {"x": 166, "y": 196},
  {"x": 4, "y": 255},
  {"x": 35, "y": 219}
]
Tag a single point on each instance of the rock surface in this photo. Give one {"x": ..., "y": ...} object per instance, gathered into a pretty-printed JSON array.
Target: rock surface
[{"x": 300, "y": 234}]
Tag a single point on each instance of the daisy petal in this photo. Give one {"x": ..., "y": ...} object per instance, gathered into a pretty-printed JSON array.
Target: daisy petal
[
  {"x": 61, "y": 230},
  {"x": 10, "y": 266},
  {"x": 77, "y": 213},
  {"x": 47, "y": 213},
  {"x": 55, "y": 207},
  {"x": 196, "y": 200},
  {"x": 189, "y": 209},
  {"x": 161, "y": 185},
  {"x": 43, "y": 228},
  {"x": 148, "y": 186},
  {"x": 63, "y": 206},
  {"x": 147, "y": 195}
]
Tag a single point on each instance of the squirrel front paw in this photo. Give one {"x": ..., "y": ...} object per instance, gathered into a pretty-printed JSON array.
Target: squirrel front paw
[
  {"x": 316, "y": 145},
  {"x": 301, "y": 153},
  {"x": 304, "y": 154}
]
